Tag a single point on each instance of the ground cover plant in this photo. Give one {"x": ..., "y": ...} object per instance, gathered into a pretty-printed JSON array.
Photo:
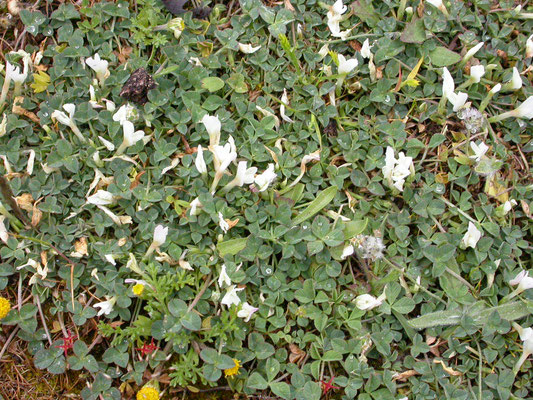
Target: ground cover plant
[{"x": 278, "y": 200}]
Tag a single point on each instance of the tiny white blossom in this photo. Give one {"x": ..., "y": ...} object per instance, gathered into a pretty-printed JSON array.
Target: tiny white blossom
[
  {"x": 248, "y": 48},
  {"x": 176, "y": 26},
  {"x": 106, "y": 307},
  {"x": 246, "y": 311},
  {"x": 323, "y": 52},
  {"x": 479, "y": 150},
  {"x": 284, "y": 100},
  {"x": 526, "y": 336},
  {"x": 470, "y": 53},
  {"x": 263, "y": 180},
  {"x": 347, "y": 251},
  {"x": 516, "y": 80},
  {"x": 108, "y": 145},
  {"x": 231, "y": 296},
  {"x": 365, "y": 49},
  {"x": 125, "y": 112},
  {"x": 110, "y": 258},
  {"x": 3, "y": 125},
  {"x": 99, "y": 66},
  {"x": 477, "y": 72},
  {"x": 160, "y": 235},
  {"x": 31, "y": 161},
  {"x": 195, "y": 206},
  {"x": 196, "y": 61},
  {"x": 529, "y": 47},
  {"x": 213, "y": 126},
  {"x": 222, "y": 223},
  {"x": 438, "y": 4},
  {"x": 367, "y": 302},
  {"x": 523, "y": 280},
  {"x": 496, "y": 88},
  {"x": 471, "y": 237},
  {"x": 4, "y": 236},
  {"x": 199, "y": 162},
  {"x": 395, "y": 170},
  {"x": 346, "y": 66},
  {"x": 243, "y": 176},
  {"x": 224, "y": 277},
  {"x": 101, "y": 198},
  {"x": 508, "y": 205}
]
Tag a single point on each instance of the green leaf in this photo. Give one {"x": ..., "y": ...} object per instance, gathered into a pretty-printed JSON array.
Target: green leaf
[
  {"x": 212, "y": 83},
  {"x": 256, "y": 381},
  {"x": 414, "y": 32},
  {"x": 191, "y": 321},
  {"x": 442, "y": 57},
  {"x": 332, "y": 355},
  {"x": 354, "y": 228},
  {"x": 322, "y": 200},
  {"x": 231, "y": 247},
  {"x": 404, "y": 306},
  {"x": 209, "y": 355},
  {"x": 281, "y": 389}
]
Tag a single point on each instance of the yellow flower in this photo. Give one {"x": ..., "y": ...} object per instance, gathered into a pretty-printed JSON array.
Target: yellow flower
[
  {"x": 4, "y": 307},
  {"x": 42, "y": 80},
  {"x": 138, "y": 289},
  {"x": 233, "y": 371},
  {"x": 148, "y": 393}
]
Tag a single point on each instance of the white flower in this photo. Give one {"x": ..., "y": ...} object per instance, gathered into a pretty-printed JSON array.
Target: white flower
[
  {"x": 508, "y": 206},
  {"x": 479, "y": 150},
  {"x": 248, "y": 48},
  {"x": 246, "y": 311},
  {"x": 212, "y": 126},
  {"x": 496, "y": 88},
  {"x": 92, "y": 98},
  {"x": 231, "y": 296},
  {"x": 176, "y": 26},
  {"x": 347, "y": 251},
  {"x": 101, "y": 198},
  {"x": 195, "y": 205},
  {"x": 131, "y": 136},
  {"x": 323, "y": 52},
  {"x": 267, "y": 113},
  {"x": 3, "y": 230},
  {"x": 438, "y": 4},
  {"x": 99, "y": 66},
  {"x": 106, "y": 307},
  {"x": 243, "y": 176},
  {"x": 108, "y": 145},
  {"x": 470, "y": 53},
  {"x": 448, "y": 85},
  {"x": 370, "y": 247},
  {"x": 524, "y": 110},
  {"x": 222, "y": 223},
  {"x": 365, "y": 50},
  {"x": 62, "y": 117},
  {"x": 3, "y": 125},
  {"x": 199, "y": 162},
  {"x": 529, "y": 47},
  {"x": 523, "y": 281},
  {"x": 396, "y": 170},
  {"x": 284, "y": 100},
  {"x": 110, "y": 258},
  {"x": 224, "y": 277},
  {"x": 334, "y": 18},
  {"x": 132, "y": 264},
  {"x": 126, "y": 112},
  {"x": 160, "y": 235},
  {"x": 31, "y": 161},
  {"x": 263, "y": 180},
  {"x": 119, "y": 220},
  {"x": 526, "y": 336},
  {"x": 458, "y": 100},
  {"x": 15, "y": 74},
  {"x": 516, "y": 81},
  {"x": 471, "y": 237},
  {"x": 196, "y": 61},
  {"x": 346, "y": 66},
  {"x": 368, "y": 302},
  {"x": 223, "y": 156},
  {"x": 477, "y": 72}
]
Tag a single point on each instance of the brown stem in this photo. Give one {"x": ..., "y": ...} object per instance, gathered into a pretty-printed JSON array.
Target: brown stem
[{"x": 10, "y": 199}]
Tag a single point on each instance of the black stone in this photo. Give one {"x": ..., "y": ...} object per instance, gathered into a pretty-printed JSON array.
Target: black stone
[{"x": 137, "y": 87}]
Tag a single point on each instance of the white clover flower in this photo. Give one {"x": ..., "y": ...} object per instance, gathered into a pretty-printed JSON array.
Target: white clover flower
[
  {"x": 92, "y": 98},
  {"x": 106, "y": 307},
  {"x": 440, "y": 5},
  {"x": 119, "y": 220},
  {"x": 176, "y": 26},
  {"x": 224, "y": 277},
  {"x": 323, "y": 52},
  {"x": 246, "y": 311},
  {"x": 231, "y": 296},
  {"x": 263, "y": 180},
  {"x": 496, "y": 88},
  {"x": 334, "y": 16},
  {"x": 516, "y": 80},
  {"x": 477, "y": 72},
  {"x": 101, "y": 198},
  {"x": 110, "y": 258},
  {"x": 367, "y": 302},
  {"x": 199, "y": 162},
  {"x": 508, "y": 206},
  {"x": 108, "y": 145},
  {"x": 4, "y": 235},
  {"x": 529, "y": 47},
  {"x": 395, "y": 170},
  {"x": 222, "y": 223},
  {"x": 3, "y": 125},
  {"x": 347, "y": 251},
  {"x": 31, "y": 161},
  {"x": 132, "y": 264},
  {"x": 526, "y": 336},
  {"x": 160, "y": 235},
  {"x": 223, "y": 156},
  {"x": 68, "y": 120},
  {"x": 346, "y": 66},
  {"x": 448, "y": 84},
  {"x": 248, "y": 48},
  {"x": 523, "y": 280},
  {"x": 370, "y": 247},
  {"x": 243, "y": 176},
  {"x": 284, "y": 100},
  {"x": 131, "y": 136},
  {"x": 471, "y": 237},
  {"x": 196, "y": 61},
  {"x": 15, "y": 74},
  {"x": 195, "y": 206},
  {"x": 126, "y": 112},
  {"x": 479, "y": 150},
  {"x": 365, "y": 49},
  {"x": 524, "y": 110},
  {"x": 99, "y": 66},
  {"x": 213, "y": 126},
  {"x": 470, "y": 53}
]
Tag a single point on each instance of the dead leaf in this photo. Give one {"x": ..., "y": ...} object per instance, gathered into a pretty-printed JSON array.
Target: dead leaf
[
  {"x": 525, "y": 208},
  {"x": 297, "y": 354},
  {"x": 447, "y": 369},
  {"x": 232, "y": 223},
  {"x": 25, "y": 201},
  {"x": 288, "y": 5},
  {"x": 403, "y": 376},
  {"x": 136, "y": 180},
  {"x": 44, "y": 258},
  {"x": 22, "y": 111},
  {"x": 36, "y": 216},
  {"x": 80, "y": 248}
]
